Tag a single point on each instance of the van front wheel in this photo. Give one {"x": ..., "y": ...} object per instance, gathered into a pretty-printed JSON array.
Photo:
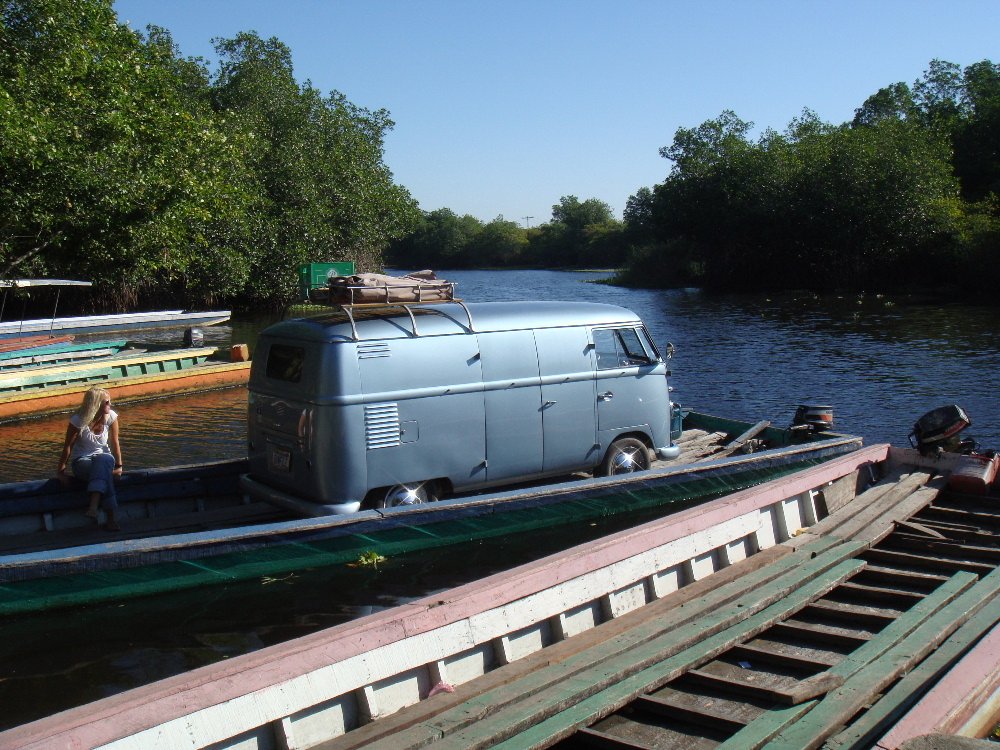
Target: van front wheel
[
  {"x": 624, "y": 456},
  {"x": 402, "y": 495}
]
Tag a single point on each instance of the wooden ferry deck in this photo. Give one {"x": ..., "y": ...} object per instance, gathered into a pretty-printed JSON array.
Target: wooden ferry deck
[{"x": 771, "y": 652}]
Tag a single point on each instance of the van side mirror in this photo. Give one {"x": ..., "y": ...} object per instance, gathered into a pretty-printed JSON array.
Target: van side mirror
[{"x": 668, "y": 351}]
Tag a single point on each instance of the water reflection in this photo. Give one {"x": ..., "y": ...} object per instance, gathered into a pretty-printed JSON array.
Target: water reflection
[{"x": 162, "y": 432}]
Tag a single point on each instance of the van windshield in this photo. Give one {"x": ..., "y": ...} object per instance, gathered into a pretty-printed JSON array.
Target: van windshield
[{"x": 285, "y": 362}]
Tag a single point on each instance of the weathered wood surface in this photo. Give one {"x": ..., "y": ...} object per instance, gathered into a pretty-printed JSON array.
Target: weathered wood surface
[{"x": 279, "y": 689}]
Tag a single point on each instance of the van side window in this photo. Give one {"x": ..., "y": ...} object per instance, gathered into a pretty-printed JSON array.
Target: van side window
[
  {"x": 620, "y": 347},
  {"x": 635, "y": 352},
  {"x": 606, "y": 349},
  {"x": 285, "y": 362}
]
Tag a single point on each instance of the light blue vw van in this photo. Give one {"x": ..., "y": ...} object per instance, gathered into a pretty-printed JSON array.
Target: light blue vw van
[{"x": 373, "y": 407}]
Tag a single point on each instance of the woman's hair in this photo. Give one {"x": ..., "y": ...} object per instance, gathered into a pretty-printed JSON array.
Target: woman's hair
[{"x": 92, "y": 401}]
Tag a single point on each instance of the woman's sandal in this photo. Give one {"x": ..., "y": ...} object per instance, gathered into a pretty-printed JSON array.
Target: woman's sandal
[
  {"x": 90, "y": 513},
  {"x": 112, "y": 526}
]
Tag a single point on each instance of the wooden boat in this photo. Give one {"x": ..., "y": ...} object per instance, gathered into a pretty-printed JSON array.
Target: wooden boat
[
  {"x": 818, "y": 607},
  {"x": 120, "y": 322},
  {"x": 125, "y": 364},
  {"x": 21, "y": 343},
  {"x": 99, "y": 323},
  {"x": 192, "y": 526},
  {"x": 59, "y": 353},
  {"x": 127, "y": 376}
]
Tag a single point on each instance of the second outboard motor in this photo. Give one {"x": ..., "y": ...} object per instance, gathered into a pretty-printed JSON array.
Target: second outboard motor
[
  {"x": 193, "y": 337},
  {"x": 937, "y": 431}
]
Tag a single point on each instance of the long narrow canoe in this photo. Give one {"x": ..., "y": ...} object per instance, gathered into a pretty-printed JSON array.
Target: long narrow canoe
[
  {"x": 814, "y": 608},
  {"x": 106, "y": 323},
  {"x": 23, "y": 343},
  {"x": 207, "y": 375},
  {"x": 97, "y": 323},
  {"x": 191, "y": 526},
  {"x": 59, "y": 353},
  {"x": 123, "y": 365}
]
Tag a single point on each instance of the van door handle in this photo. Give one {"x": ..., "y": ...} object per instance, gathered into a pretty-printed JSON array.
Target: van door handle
[
  {"x": 547, "y": 404},
  {"x": 606, "y": 396}
]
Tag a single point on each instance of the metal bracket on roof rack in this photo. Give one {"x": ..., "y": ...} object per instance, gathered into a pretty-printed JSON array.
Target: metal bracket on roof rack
[{"x": 348, "y": 308}]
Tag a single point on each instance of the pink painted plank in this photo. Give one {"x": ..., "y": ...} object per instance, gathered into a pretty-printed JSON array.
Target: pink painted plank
[
  {"x": 962, "y": 682},
  {"x": 150, "y": 705}
]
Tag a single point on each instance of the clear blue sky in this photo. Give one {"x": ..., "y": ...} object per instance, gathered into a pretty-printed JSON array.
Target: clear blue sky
[{"x": 504, "y": 106}]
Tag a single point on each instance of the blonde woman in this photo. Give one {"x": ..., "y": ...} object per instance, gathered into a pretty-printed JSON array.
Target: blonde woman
[{"x": 91, "y": 448}]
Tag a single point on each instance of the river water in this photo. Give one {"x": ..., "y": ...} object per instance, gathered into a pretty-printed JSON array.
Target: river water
[{"x": 879, "y": 362}]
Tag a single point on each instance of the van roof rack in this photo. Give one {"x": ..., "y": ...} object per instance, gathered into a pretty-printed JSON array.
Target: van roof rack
[
  {"x": 357, "y": 311},
  {"x": 407, "y": 307}
]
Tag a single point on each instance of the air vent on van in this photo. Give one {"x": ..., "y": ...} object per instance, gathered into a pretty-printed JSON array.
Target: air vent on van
[
  {"x": 370, "y": 349},
  {"x": 381, "y": 426}
]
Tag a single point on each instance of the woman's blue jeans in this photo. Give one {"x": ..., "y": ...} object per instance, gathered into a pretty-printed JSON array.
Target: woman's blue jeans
[{"x": 96, "y": 471}]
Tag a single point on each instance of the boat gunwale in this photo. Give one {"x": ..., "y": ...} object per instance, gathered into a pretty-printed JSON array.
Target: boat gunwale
[{"x": 200, "y": 544}]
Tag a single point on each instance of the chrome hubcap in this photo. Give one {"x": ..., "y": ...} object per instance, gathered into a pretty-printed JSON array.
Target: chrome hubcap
[
  {"x": 406, "y": 495},
  {"x": 626, "y": 461}
]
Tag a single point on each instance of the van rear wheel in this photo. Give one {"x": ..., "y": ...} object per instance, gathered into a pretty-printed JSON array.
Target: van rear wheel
[
  {"x": 402, "y": 495},
  {"x": 624, "y": 456}
]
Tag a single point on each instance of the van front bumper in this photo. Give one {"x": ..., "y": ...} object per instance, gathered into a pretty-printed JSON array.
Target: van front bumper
[
  {"x": 301, "y": 506},
  {"x": 670, "y": 452}
]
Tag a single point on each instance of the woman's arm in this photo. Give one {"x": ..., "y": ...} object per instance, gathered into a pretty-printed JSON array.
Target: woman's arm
[
  {"x": 116, "y": 449},
  {"x": 71, "y": 435}
]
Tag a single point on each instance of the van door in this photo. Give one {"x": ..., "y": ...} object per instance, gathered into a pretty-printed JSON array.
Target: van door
[
  {"x": 569, "y": 413},
  {"x": 631, "y": 382},
  {"x": 424, "y": 412},
  {"x": 513, "y": 404}
]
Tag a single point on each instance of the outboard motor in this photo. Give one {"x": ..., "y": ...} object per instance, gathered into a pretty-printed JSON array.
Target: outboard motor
[
  {"x": 193, "y": 337},
  {"x": 813, "y": 416},
  {"x": 937, "y": 431}
]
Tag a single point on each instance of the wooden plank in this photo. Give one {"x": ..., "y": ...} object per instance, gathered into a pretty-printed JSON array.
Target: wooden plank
[
  {"x": 772, "y": 724},
  {"x": 700, "y": 716},
  {"x": 886, "y": 595},
  {"x": 706, "y": 703},
  {"x": 822, "y": 633},
  {"x": 803, "y": 690},
  {"x": 952, "y": 549},
  {"x": 546, "y": 718},
  {"x": 877, "y": 521},
  {"x": 613, "y": 742},
  {"x": 841, "y": 492},
  {"x": 841, "y": 705},
  {"x": 732, "y": 447},
  {"x": 924, "y": 562},
  {"x": 752, "y": 653},
  {"x": 856, "y": 614},
  {"x": 910, "y": 689},
  {"x": 919, "y": 528},
  {"x": 924, "y": 582}
]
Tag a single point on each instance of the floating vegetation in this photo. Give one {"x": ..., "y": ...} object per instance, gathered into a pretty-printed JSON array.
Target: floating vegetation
[
  {"x": 265, "y": 580},
  {"x": 368, "y": 559}
]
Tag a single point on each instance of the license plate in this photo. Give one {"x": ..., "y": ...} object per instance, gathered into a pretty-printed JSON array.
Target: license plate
[{"x": 279, "y": 459}]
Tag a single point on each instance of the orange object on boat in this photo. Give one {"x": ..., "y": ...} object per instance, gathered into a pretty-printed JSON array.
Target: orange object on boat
[{"x": 975, "y": 473}]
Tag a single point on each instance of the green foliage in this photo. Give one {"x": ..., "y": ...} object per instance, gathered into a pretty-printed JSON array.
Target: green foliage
[
  {"x": 124, "y": 164},
  {"x": 581, "y": 234},
  {"x": 874, "y": 204}
]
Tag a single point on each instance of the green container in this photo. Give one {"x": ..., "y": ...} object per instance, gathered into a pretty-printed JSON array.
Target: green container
[{"x": 315, "y": 275}]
